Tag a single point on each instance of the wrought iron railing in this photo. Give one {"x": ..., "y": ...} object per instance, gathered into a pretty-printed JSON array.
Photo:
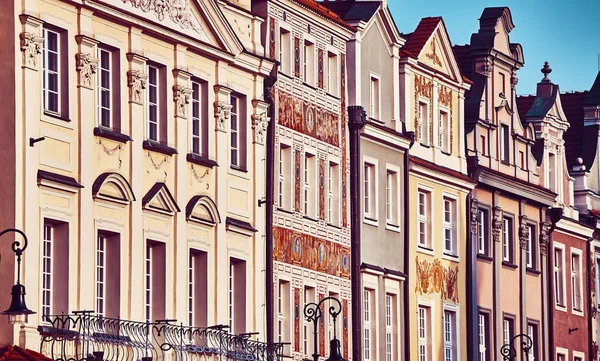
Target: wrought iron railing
[{"x": 83, "y": 336}]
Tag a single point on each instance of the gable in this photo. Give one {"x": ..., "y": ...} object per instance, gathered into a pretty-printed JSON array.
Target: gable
[
  {"x": 159, "y": 199},
  {"x": 200, "y": 20},
  {"x": 437, "y": 53}
]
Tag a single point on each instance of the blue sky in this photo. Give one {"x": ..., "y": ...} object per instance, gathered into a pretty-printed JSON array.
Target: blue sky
[{"x": 564, "y": 33}]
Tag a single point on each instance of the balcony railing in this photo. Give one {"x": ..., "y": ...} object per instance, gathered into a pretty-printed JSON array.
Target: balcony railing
[{"x": 83, "y": 336}]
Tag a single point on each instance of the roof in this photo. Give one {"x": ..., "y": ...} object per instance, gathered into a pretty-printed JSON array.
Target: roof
[
  {"x": 15, "y": 353},
  {"x": 572, "y": 104},
  {"x": 353, "y": 10},
  {"x": 541, "y": 105},
  {"x": 594, "y": 95},
  {"x": 419, "y": 37},
  {"x": 524, "y": 103},
  {"x": 320, "y": 9},
  {"x": 433, "y": 166},
  {"x": 462, "y": 53}
]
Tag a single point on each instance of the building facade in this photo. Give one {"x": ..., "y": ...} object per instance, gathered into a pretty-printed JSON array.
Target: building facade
[
  {"x": 432, "y": 91},
  {"x": 140, "y": 193},
  {"x": 310, "y": 223}
]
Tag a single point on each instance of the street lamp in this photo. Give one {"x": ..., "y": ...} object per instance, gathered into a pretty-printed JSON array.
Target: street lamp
[
  {"x": 509, "y": 351},
  {"x": 18, "y": 311},
  {"x": 312, "y": 312}
]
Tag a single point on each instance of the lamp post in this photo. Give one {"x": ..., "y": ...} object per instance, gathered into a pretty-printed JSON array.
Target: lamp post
[
  {"x": 509, "y": 351},
  {"x": 313, "y": 312},
  {"x": 18, "y": 311}
]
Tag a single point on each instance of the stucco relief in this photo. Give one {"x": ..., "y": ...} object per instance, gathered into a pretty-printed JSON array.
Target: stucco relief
[
  {"x": 31, "y": 47},
  {"x": 433, "y": 277},
  {"x": 178, "y": 11},
  {"x": 423, "y": 88},
  {"x": 136, "y": 81},
  {"x": 523, "y": 232},
  {"x": 445, "y": 98},
  {"x": 497, "y": 224},
  {"x": 181, "y": 97},
  {"x": 474, "y": 223},
  {"x": 433, "y": 56},
  {"x": 86, "y": 65},
  {"x": 544, "y": 238},
  {"x": 222, "y": 113},
  {"x": 259, "y": 124}
]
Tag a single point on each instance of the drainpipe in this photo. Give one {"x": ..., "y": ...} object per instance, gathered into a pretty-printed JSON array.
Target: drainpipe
[
  {"x": 472, "y": 321},
  {"x": 588, "y": 250},
  {"x": 407, "y": 248},
  {"x": 556, "y": 214},
  {"x": 269, "y": 84},
  {"x": 356, "y": 120}
]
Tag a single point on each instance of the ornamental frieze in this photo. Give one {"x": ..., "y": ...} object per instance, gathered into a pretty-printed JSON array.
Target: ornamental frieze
[
  {"x": 31, "y": 47},
  {"x": 87, "y": 66},
  {"x": 423, "y": 87},
  {"x": 178, "y": 11},
  {"x": 433, "y": 277}
]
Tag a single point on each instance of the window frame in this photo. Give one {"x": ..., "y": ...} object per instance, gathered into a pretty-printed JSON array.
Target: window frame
[
  {"x": 371, "y": 183},
  {"x": 424, "y": 219},
  {"x": 390, "y": 313},
  {"x": 483, "y": 349},
  {"x": 424, "y": 330},
  {"x": 531, "y": 250},
  {"x": 309, "y": 183},
  {"x": 100, "y": 268},
  {"x": 285, "y": 58},
  {"x": 483, "y": 231},
  {"x": 333, "y": 192},
  {"x": 534, "y": 350},
  {"x": 285, "y": 177},
  {"x": 109, "y": 89},
  {"x": 423, "y": 122},
  {"x": 454, "y": 343},
  {"x": 309, "y": 63},
  {"x": 393, "y": 193},
  {"x": 562, "y": 279},
  {"x": 504, "y": 143},
  {"x": 508, "y": 320},
  {"x": 578, "y": 285},
  {"x": 156, "y": 88},
  {"x": 444, "y": 130},
  {"x": 367, "y": 323},
  {"x": 375, "y": 96},
  {"x": 47, "y": 268},
  {"x": 234, "y": 132},
  {"x": 61, "y": 72},
  {"x": 508, "y": 239},
  {"x": 452, "y": 225},
  {"x": 201, "y": 101}
]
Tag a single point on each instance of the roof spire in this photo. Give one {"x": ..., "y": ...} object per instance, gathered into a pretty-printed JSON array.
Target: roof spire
[{"x": 546, "y": 70}]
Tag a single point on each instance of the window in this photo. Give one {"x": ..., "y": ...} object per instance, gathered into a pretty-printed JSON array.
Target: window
[
  {"x": 507, "y": 240},
  {"x": 199, "y": 119},
  {"x": 237, "y": 296},
  {"x": 105, "y": 86},
  {"x": 597, "y": 281},
  {"x": 374, "y": 98},
  {"x": 423, "y": 219},
  {"x": 449, "y": 226},
  {"x": 483, "y": 336},
  {"x": 309, "y": 62},
  {"x": 309, "y": 184},
  {"x": 559, "y": 290},
  {"x": 483, "y": 144},
  {"x": 576, "y": 281},
  {"x": 153, "y": 104},
  {"x": 107, "y": 278},
  {"x": 577, "y": 358},
  {"x": 561, "y": 357},
  {"x": 531, "y": 248},
  {"x": 424, "y": 334},
  {"x": 389, "y": 326},
  {"x": 333, "y": 195},
  {"x": 532, "y": 332},
  {"x": 332, "y": 74},
  {"x": 283, "y": 313},
  {"x": 522, "y": 159},
  {"x": 370, "y": 191},
  {"x": 285, "y": 46},
  {"x": 503, "y": 83},
  {"x": 367, "y": 322},
  {"x": 422, "y": 128},
  {"x": 483, "y": 245},
  {"x": 391, "y": 198},
  {"x": 55, "y": 270},
  {"x": 309, "y": 297},
  {"x": 551, "y": 172},
  {"x": 504, "y": 143},
  {"x": 54, "y": 65},
  {"x": 508, "y": 330},
  {"x": 235, "y": 132},
  {"x": 450, "y": 341},
  {"x": 444, "y": 132},
  {"x": 285, "y": 177},
  {"x": 155, "y": 281},
  {"x": 197, "y": 289}
]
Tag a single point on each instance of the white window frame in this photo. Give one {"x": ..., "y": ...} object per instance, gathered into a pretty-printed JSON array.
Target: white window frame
[
  {"x": 104, "y": 68},
  {"x": 452, "y": 345},
  {"x": 235, "y": 152},
  {"x": 444, "y": 130},
  {"x": 332, "y": 76},
  {"x": 508, "y": 333},
  {"x": 284, "y": 324},
  {"x": 424, "y": 219},
  {"x": 285, "y": 57},
  {"x": 508, "y": 239},
  {"x": 46, "y": 72},
  {"x": 285, "y": 177},
  {"x": 230, "y": 295},
  {"x": 576, "y": 281},
  {"x": 562, "y": 275},
  {"x": 562, "y": 352},
  {"x": 370, "y": 182},
  {"x": 425, "y": 328},
  {"x": 309, "y": 60},
  {"x": 390, "y": 309},
  {"x": 101, "y": 244},
  {"x": 47, "y": 269},
  {"x": 392, "y": 195},
  {"x": 375, "y": 96},
  {"x": 197, "y": 115},
  {"x": 482, "y": 335},
  {"x": 333, "y": 191},
  {"x": 451, "y": 225},
  {"x": 367, "y": 323},
  {"x": 483, "y": 245},
  {"x": 423, "y": 121},
  {"x": 153, "y": 88},
  {"x": 191, "y": 287},
  {"x": 533, "y": 338},
  {"x": 148, "y": 282},
  {"x": 531, "y": 249},
  {"x": 309, "y": 183},
  {"x": 578, "y": 355},
  {"x": 307, "y": 342}
]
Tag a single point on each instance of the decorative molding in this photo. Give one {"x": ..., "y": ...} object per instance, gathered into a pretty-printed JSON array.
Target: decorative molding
[
  {"x": 433, "y": 55},
  {"x": 445, "y": 96},
  {"x": 136, "y": 81},
  {"x": 474, "y": 216},
  {"x": 259, "y": 124},
  {"x": 514, "y": 81},
  {"x": 497, "y": 224},
  {"x": 179, "y": 11},
  {"x": 181, "y": 97},
  {"x": 544, "y": 238},
  {"x": 523, "y": 232},
  {"x": 31, "y": 47},
  {"x": 86, "y": 65},
  {"x": 433, "y": 277},
  {"x": 222, "y": 114}
]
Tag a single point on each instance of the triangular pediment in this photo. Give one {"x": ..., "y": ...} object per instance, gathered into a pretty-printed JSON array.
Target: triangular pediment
[
  {"x": 201, "y": 20},
  {"x": 437, "y": 53},
  {"x": 159, "y": 199}
]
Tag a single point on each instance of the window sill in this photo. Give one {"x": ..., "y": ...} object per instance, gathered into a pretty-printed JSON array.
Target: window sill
[
  {"x": 200, "y": 160},
  {"x": 560, "y": 307},
  {"x": 284, "y": 210},
  {"x": 309, "y": 85},
  {"x": 533, "y": 271},
  {"x": 485, "y": 257},
  {"x": 423, "y": 249},
  {"x": 505, "y": 162},
  {"x": 577, "y": 312},
  {"x": 392, "y": 227},
  {"x": 509, "y": 265},
  {"x": 112, "y": 135},
  {"x": 445, "y": 153},
  {"x": 370, "y": 221},
  {"x": 238, "y": 168},
  {"x": 333, "y": 95},
  {"x": 310, "y": 218},
  {"x": 56, "y": 116},
  {"x": 159, "y": 148},
  {"x": 425, "y": 145},
  {"x": 450, "y": 256},
  {"x": 333, "y": 225}
]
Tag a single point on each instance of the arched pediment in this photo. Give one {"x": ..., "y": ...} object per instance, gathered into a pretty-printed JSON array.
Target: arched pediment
[
  {"x": 202, "y": 209},
  {"x": 113, "y": 187},
  {"x": 159, "y": 199}
]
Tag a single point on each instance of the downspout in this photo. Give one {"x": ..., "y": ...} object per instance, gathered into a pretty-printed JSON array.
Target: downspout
[
  {"x": 472, "y": 326},
  {"x": 588, "y": 250},
  {"x": 556, "y": 214},
  {"x": 356, "y": 120},
  {"x": 407, "y": 249},
  {"x": 269, "y": 85}
]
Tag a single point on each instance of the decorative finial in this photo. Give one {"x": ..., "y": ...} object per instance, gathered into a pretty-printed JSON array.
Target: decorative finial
[{"x": 546, "y": 70}]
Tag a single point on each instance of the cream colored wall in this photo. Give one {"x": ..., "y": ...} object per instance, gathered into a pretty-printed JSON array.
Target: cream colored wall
[{"x": 71, "y": 149}]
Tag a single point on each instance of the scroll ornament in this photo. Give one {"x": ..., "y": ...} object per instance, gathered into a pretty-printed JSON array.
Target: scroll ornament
[{"x": 87, "y": 66}]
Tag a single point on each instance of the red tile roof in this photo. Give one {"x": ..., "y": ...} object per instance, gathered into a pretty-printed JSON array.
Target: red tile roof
[
  {"x": 325, "y": 12},
  {"x": 15, "y": 353},
  {"x": 419, "y": 37}
]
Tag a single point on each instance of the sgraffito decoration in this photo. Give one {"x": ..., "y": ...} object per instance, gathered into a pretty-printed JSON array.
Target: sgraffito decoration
[
  {"x": 297, "y": 314},
  {"x": 296, "y": 56},
  {"x": 272, "y": 38},
  {"x": 345, "y": 327},
  {"x": 297, "y": 159},
  {"x": 433, "y": 277},
  {"x": 344, "y": 145},
  {"x": 310, "y": 252},
  {"x": 307, "y": 118},
  {"x": 322, "y": 189},
  {"x": 322, "y": 326},
  {"x": 320, "y": 68}
]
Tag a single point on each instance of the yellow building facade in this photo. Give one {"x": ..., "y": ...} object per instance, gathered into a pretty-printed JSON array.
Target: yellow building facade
[
  {"x": 139, "y": 193},
  {"x": 432, "y": 98}
]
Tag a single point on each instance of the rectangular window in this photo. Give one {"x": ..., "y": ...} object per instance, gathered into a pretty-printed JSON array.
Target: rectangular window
[
  {"x": 561, "y": 357},
  {"x": 391, "y": 198},
  {"x": 285, "y": 177},
  {"x": 503, "y": 83},
  {"x": 522, "y": 159},
  {"x": 444, "y": 132},
  {"x": 508, "y": 330},
  {"x": 199, "y": 127},
  {"x": 559, "y": 290},
  {"x": 197, "y": 289},
  {"x": 532, "y": 332},
  {"x": 424, "y": 330},
  {"x": 374, "y": 98},
  {"x": 390, "y": 315},
  {"x": 283, "y": 313},
  {"x": 422, "y": 128},
  {"x": 333, "y": 198},
  {"x": 55, "y": 268},
  {"x": 531, "y": 248},
  {"x": 483, "y": 336},
  {"x": 52, "y": 71},
  {"x": 483, "y": 246},
  {"x": 367, "y": 322},
  {"x": 332, "y": 74},
  {"x": 152, "y": 117},
  {"x": 423, "y": 219},
  {"x": 597, "y": 260},
  {"x": 369, "y": 189},
  {"x": 483, "y": 144},
  {"x": 309, "y": 62},
  {"x": 576, "y": 281},
  {"x": 449, "y": 221},
  {"x": 450, "y": 344},
  {"x": 155, "y": 281},
  {"x": 309, "y": 184},
  {"x": 552, "y": 172},
  {"x": 100, "y": 276},
  {"x": 285, "y": 46},
  {"x": 237, "y": 296},
  {"x": 104, "y": 88},
  {"x": 309, "y": 297},
  {"x": 504, "y": 143},
  {"x": 507, "y": 240},
  {"x": 234, "y": 132},
  {"x": 47, "y": 270}
]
